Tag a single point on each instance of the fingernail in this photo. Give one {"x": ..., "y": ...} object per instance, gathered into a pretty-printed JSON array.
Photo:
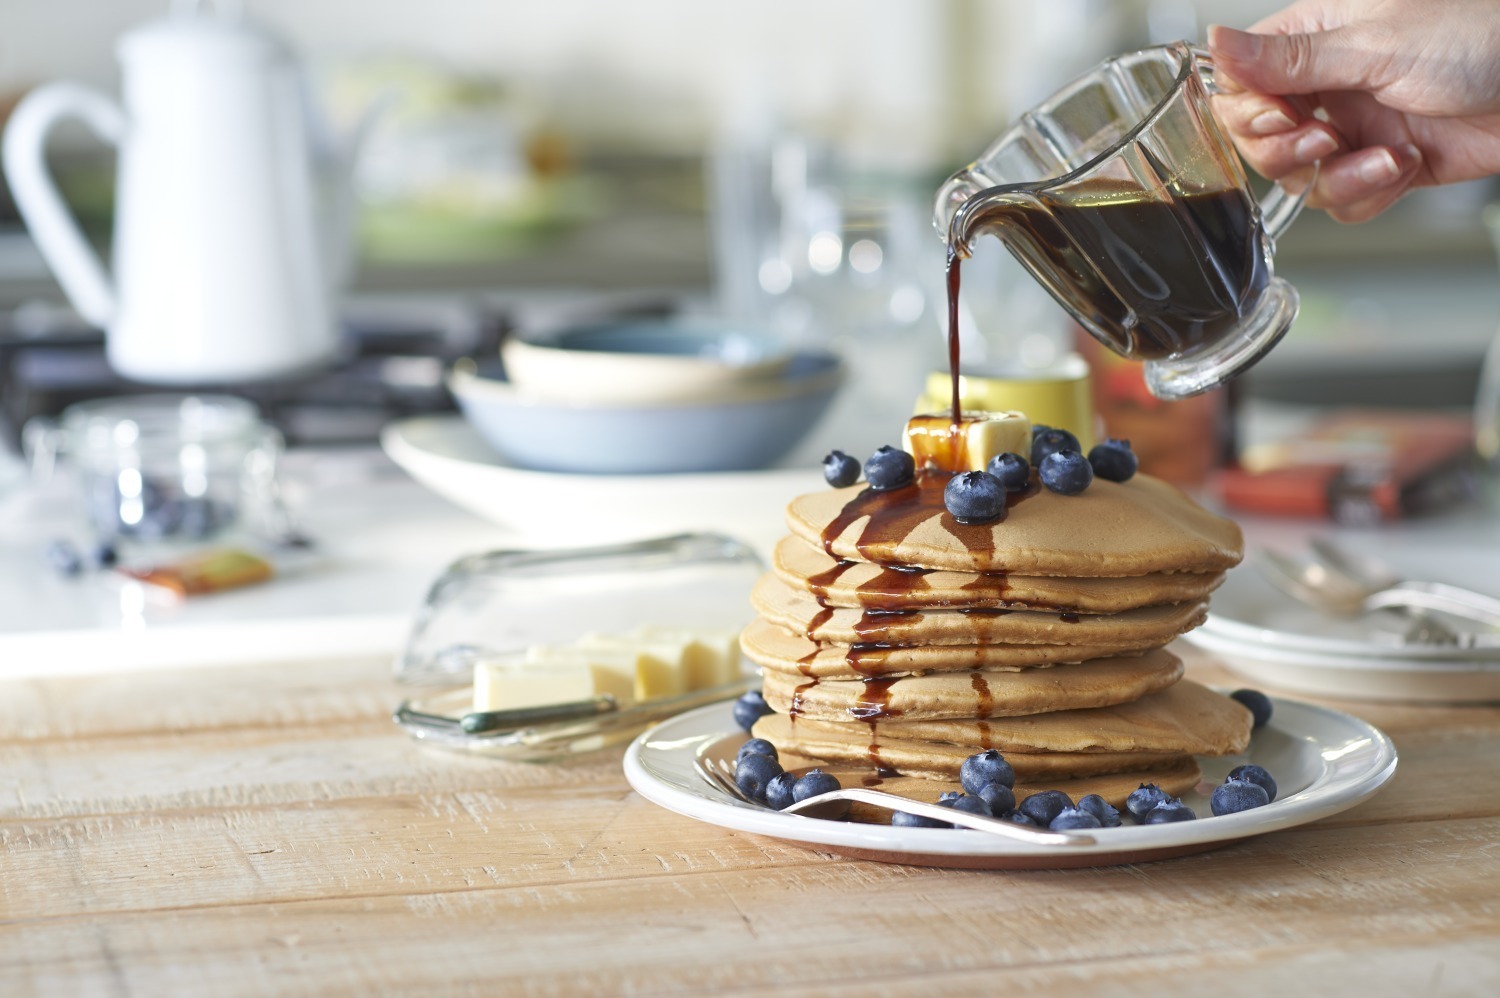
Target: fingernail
[
  {"x": 1379, "y": 167},
  {"x": 1238, "y": 45},
  {"x": 1271, "y": 122},
  {"x": 1314, "y": 146}
]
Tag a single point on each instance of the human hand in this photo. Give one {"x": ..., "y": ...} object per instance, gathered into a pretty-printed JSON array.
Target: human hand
[{"x": 1387, "y": 94}]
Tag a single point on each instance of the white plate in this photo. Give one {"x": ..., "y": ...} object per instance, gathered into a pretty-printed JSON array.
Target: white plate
[
  {"x": 1323, "y": 761},
  {"x": 547, "y": 508}
]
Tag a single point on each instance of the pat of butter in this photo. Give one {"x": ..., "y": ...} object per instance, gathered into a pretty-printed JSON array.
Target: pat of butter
[
  {"x": 657, "y": 666},
  {"x": 933, "y": 439},
  {"x": 709, "y": 658},
  {"x": 515, "y": 685}
]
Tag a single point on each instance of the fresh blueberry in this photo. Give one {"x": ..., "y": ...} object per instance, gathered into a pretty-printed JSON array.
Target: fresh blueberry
[
  {"x": 975, "y": 497},
  {"x": 840, "y": 470},
  {"x": 1256, "y": 702},
  {"x": 1072, "y": 817},
  {"x": 1000, "y": 798},
  {"x": 1065, "y": 472},
  {"x": 814, "y": 782},
  {"x": 104, "y": 554},
  {"x": 756, "y": 746},
  {"x": 1140, "y": 802},
  {"x": 901, "y": 819},
  {"x": 749, "y": 708},
  {"x": 889, "y": 468},
  {"x": 1257, "y": 775},
  {"x": 753, "y": 772},
  {"x": 985, "y": 767},
  {"x": 1100, "y": 808},
  {"x": 1042, "y": 807},
  {"x": 1168, "y": 812},
  {"x": 1050, "y": 441},
  {"x": 947, "y": 797},
  {"x": 1113, "y": 460},
  {"x": 1037, "y": 429},
  {"x": 1020, "y": 818},
  {"x": 779, "y": 790},
  {"x": 1237, "y": 795},
  {"x": 1013, "y": 470},
  {"x": 64, "y": 558},
  {"x": 972, "y": 805}
]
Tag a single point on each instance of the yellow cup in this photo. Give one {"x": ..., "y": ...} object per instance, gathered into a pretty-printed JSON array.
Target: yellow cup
[{"x": 1059, "y": 395}]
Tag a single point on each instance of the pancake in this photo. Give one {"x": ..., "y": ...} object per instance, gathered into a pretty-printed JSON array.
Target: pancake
[
  {"x": 777, "y": 650},
  {"x": 1184, "y": 717},
  {"x": 1111, "y": 530},
  {"x": 847, "y": 749},
  {"x": 975, "y": 695},
  {"x": 859, "y": 584},
  {"x": 797, "y": 611}
]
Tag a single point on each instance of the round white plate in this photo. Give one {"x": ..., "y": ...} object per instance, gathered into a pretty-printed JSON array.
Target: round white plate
[
  {"x": 1323, "y": 761},
  {"x": 448, "y": 456}
]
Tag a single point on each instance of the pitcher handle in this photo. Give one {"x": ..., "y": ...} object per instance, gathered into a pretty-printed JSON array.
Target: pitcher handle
[
  {"x": 1280, "y": 206},
  {"x": 58, "y": 237}
]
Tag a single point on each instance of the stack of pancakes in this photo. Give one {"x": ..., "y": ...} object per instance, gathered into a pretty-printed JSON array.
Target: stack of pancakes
[{"x": 896, "y": 641}]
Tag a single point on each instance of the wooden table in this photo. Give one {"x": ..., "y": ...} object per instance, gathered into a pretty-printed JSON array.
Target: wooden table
[{"x": 268, "y": 830}]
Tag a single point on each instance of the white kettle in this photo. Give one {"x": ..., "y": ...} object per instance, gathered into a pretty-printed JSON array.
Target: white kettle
[{"x": 233, "y": 207}]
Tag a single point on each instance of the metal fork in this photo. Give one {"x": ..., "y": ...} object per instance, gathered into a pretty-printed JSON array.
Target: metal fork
[{"x": 834, "y": 804}]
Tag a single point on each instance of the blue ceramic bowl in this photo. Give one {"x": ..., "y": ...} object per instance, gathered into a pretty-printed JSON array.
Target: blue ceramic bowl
[{"x": 746, "y": 427}]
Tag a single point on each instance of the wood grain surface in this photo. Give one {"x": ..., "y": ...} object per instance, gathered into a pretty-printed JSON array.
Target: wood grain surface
[{"x": 270, "y": 831}]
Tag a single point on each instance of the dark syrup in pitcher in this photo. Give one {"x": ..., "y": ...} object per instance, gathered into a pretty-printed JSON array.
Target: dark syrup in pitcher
[{"x": 1154, "y": 278}]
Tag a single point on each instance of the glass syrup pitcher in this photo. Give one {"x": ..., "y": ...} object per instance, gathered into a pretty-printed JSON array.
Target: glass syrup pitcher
[{"x": 1123, "y": 197}]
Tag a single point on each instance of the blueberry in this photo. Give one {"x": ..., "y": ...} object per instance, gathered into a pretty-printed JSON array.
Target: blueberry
[
  {"x": 889, "y": 468},
  {"x": 1072, "y": 817},
  {"x": 1065, "y": 472},
  {"x": 750, "y": 708},
  {"x": 779, "y": 790},
  {"x": 986, "y": 767},
  {"x": 1042, "y": 807},
  {"x": 1168, "y": 812},
  {"x": 1257, "y": 775},
  {"x": 947, "y": 797},
  {"x": 1113, "y": 460},
  {"x": 1000, "y": 798},
  {"x": 104, "y": 554},
  {"x": 756, "y": 746},
  {"x": 975, "y": 497},
  {"x": 64, "y": 557},
  {"x": 1141, "y": 801},
  {"x": 1013, "y": 470},
  {"x": 903, "y": 820},
  {"x": 1256, "y": 702},
  {"x": 1100, "y": 808},
  {"x": 753, "y": 772},
  {"x": 840, "y": 470},
  {"x": 1037, "y": 429},
  {"x": 1020, "y": 818},
  {"x": 814, "y": 782},
  {"x": 973, "y": 805},
  {"x": 1050, "y": 441},
  {"x": 1237, "y": 795}
]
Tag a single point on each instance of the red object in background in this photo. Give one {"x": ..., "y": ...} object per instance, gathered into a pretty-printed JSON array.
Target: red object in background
[{"x": 1358, "y": 466}]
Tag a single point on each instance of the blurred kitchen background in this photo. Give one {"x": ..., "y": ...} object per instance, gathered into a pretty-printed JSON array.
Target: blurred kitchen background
[{"x": 544, "y": 162}]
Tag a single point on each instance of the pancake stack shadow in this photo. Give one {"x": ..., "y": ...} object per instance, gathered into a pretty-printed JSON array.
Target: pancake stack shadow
[{"x": 895, "y": 642}]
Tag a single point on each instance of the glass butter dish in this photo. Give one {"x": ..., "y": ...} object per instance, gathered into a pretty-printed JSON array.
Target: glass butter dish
[{"x": 505, "y": 610}]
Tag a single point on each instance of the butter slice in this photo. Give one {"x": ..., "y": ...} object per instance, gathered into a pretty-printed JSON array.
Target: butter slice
[
  {"x": 933, "y": 441},
  {"x": 614, "y": 672},
  {"x": 514, "y": 685},
  {"x": 657, "y": 666},
  {"x": 709, "y": 658}
]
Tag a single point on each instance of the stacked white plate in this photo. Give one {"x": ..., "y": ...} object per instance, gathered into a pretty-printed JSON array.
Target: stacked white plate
[{"x": 1282, "y": 643}]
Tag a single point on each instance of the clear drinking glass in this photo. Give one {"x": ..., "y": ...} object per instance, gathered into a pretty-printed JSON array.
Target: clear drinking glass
[{"x": 1124, "y": 198}]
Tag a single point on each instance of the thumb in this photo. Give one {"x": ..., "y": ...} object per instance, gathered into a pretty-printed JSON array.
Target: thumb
[{"x": 1293, "y": 63}]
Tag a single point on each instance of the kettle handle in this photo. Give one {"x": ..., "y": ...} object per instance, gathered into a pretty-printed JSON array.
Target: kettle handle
[{"x": 62, "y": 244}]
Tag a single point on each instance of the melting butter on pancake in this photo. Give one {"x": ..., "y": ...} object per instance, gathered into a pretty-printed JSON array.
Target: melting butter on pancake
[
  {"x": 1184, "y": 717},
  {"x": 797, "y": 611},
  {"x": 778, "y": 650},
  {"x": 863, "y": 585},
  {"x": 970, "y": 695},
  {"x": 1112, "y": 529},
  {"x": 848, "y": 746}
]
